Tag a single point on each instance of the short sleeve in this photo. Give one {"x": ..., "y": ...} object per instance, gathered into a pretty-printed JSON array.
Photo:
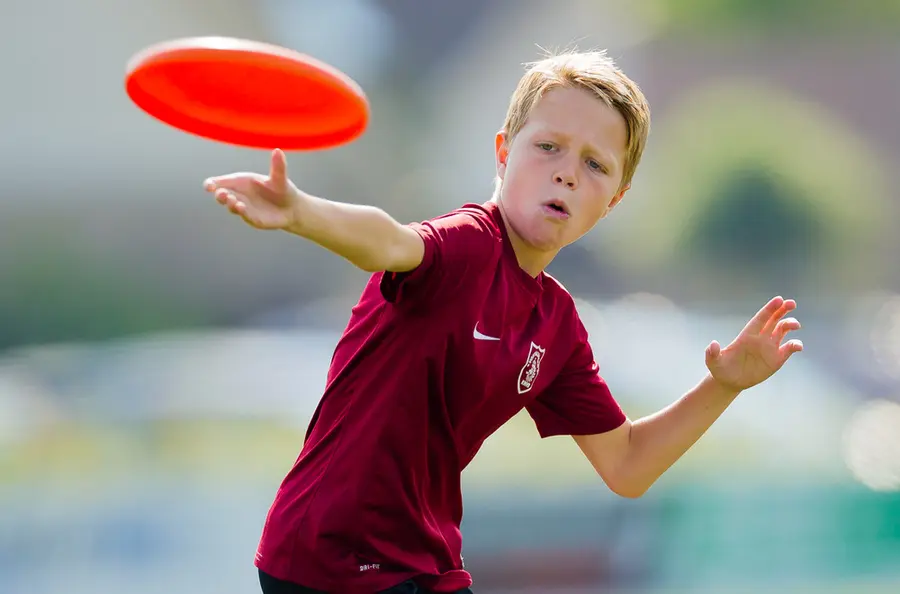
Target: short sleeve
[
  {"x": 455, "y": 244},
  {"x": 578, "y": 402}
]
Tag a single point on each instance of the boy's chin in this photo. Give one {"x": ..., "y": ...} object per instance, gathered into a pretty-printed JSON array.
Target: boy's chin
[{"x": 544, "y": 242}]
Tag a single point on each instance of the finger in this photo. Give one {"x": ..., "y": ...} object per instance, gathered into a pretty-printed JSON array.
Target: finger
[
  {"x": 789, "y": 348},
  {"x": 230, "y": 201},
  {"x": 772, "y": 322},
  {"x": 225, "y": 197},
  {"x": 238, "y": 182},
  {"x": 757, "y": 322},
  {"x": 713, "y": 351},
  {"x": 278, "y": 168},
  {"x": 783, "y": 327}
]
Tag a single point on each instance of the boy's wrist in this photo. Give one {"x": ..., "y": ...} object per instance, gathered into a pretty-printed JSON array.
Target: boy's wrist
[
  {"x": 299, "y": 213},
  {"x": 724, "y": 390}
]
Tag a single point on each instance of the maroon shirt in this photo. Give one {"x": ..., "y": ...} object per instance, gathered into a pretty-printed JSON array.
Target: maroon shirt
[{"x": 431, "y": 363}]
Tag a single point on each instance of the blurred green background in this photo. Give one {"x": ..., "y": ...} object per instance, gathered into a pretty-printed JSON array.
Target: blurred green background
[{"x": 159, "y": 360}]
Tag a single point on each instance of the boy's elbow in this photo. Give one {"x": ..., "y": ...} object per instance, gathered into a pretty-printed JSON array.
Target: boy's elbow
[
  {"x": 629, "y": 493},
  {"x": 629, "y": 489}
]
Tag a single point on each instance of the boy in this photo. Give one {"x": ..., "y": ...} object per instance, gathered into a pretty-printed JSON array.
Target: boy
[{"x": 457, "y": 330}]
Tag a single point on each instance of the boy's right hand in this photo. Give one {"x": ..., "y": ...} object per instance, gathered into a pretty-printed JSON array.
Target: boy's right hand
[{"x": 264, "y": 202}]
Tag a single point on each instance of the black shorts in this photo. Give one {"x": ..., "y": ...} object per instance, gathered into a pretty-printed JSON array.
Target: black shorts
[{"x": 271, "y": 585}]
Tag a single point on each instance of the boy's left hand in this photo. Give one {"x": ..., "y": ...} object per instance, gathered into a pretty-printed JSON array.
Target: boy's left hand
[{"x": 757, "y": 352}]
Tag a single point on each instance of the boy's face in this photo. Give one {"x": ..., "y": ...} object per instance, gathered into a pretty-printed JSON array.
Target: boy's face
[{"x": 561, "y": 173}]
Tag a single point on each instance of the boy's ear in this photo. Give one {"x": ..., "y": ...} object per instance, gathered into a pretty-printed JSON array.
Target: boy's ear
[
  {"x": 616, "y": 199},
  {"x": 501, "y": 153}
]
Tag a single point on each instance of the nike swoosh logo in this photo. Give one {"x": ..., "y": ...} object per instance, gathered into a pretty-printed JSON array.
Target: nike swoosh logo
[{"x": 479, "y": 336}]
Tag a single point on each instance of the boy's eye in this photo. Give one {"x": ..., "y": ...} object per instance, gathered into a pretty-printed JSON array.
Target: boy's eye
[
  {"x": 596, "y": 166},
  {"x": 545, "y": 146}
]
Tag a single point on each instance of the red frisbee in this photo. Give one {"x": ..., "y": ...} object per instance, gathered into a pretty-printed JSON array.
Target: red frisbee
[{"x": 247, "y": 93}]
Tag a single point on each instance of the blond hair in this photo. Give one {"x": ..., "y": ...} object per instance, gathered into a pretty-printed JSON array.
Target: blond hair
[{"x": 593, "y": 71}]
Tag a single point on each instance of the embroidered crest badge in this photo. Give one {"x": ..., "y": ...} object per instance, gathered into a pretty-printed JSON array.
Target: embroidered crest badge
[{"x": 530, "y": 370}]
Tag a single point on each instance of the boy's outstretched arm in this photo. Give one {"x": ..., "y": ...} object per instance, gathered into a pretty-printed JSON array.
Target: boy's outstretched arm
[
  {"x": 365, "y": 235},
  {"x": 632, "y": 457}
]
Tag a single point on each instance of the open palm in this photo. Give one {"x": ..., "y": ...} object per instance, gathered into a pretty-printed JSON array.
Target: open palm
[
  {"x": 265, "y": 202},
  {"x": 758, "y": 351}
]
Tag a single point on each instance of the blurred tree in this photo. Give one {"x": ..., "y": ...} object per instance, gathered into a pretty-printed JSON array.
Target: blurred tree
[
  {"x": 60, "y": 291},
  {"x": 763, "y": 17},
  {"x": 746, "y": 190},
  {"x": 757, "y": 226}
]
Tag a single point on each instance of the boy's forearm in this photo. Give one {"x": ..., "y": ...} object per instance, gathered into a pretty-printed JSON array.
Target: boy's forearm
[
  {"x": 365, "y": 235},
  {"x": 659, "y": 440}
]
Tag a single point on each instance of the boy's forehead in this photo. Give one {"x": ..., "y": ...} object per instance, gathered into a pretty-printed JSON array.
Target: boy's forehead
[{"x": 577, "y": 113}]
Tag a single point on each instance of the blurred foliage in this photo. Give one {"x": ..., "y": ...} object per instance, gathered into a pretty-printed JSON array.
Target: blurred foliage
[
  {"x": 766, "y": 17},
  {"x": 757, "y": 224},
  {"x": 760, "y": 228},
  {"x": 60, "y": 293},
  {"x": 755, "y": 188}
]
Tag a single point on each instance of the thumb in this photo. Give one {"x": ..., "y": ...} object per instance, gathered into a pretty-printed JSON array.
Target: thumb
[
  {"x": 278, "y": 168},
  {"x": 712, "y": 352}
]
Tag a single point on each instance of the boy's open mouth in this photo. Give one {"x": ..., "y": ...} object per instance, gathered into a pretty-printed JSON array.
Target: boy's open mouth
[{"x": 557, "y": 206}]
